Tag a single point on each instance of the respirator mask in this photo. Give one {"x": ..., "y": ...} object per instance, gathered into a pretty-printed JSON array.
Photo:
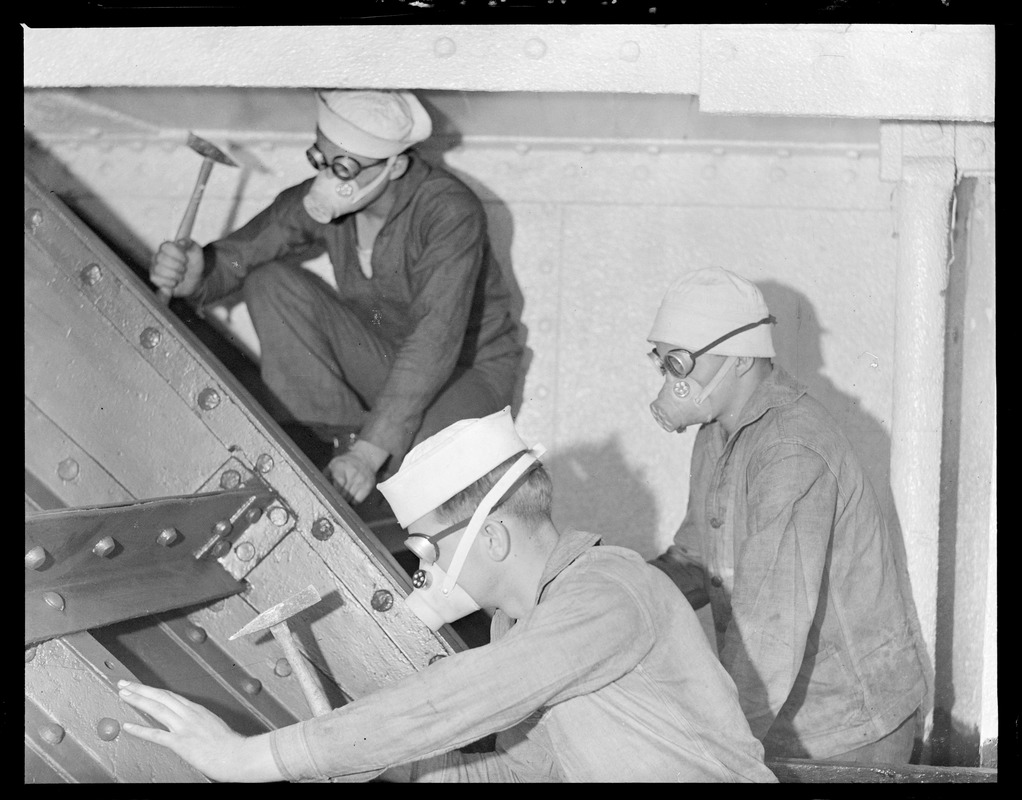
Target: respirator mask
[
  {"x": 681, "y": 399},
  {"x": 334, "y": 191},
  {"x": 437, "y": 598}
]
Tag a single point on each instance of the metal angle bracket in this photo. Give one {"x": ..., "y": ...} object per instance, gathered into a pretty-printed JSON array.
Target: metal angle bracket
[{"x": 89, "y": 567}]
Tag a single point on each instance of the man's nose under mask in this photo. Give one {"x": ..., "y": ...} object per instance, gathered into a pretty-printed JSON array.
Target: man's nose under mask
[
  {"x": 329, "y": 197},
  {"x": 682, "y": 401}
]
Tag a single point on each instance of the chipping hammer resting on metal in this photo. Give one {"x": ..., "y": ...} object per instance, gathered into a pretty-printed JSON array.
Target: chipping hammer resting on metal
[
  {"x": 275, "y": 619},
  {"x": 210, "y": 153}
]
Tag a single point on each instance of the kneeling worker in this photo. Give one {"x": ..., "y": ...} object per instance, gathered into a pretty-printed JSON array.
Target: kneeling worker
[{"x": 597, "y": 668}]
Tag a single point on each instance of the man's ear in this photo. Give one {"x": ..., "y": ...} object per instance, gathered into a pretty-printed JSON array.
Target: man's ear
[
  {"x": 743, "y": 365},
  {"x": 400, "y": 167},
  {"x": 496, "y": 540}
]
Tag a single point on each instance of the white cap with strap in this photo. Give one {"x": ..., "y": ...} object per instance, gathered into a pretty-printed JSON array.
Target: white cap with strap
[{"x": 370, "y": 123}]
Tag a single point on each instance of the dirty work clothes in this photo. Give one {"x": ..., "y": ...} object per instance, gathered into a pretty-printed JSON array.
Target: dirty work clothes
[
  {"x": 437, "y": 300},
  {"x": 331, "y": 366},
  {"x": 608, "y": 678},
  {"x": 809, "y": 597}
]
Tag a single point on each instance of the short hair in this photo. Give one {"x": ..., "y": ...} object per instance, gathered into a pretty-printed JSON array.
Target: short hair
[{"x": 531, "y": 502}]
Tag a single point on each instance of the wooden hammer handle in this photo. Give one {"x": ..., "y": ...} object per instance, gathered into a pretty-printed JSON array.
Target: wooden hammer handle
[
  {"x": 184, "y": 230},
  {"x": 310, "y": 686}
]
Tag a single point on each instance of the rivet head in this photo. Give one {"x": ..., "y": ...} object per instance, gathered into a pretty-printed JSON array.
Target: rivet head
[
  {"x": 629, "y": 51},
  {"x": 535, "y": 48},
  {"x": 522, "y": 148},
  {"x": 777, "y": 174},
  {"x": 444, "y": 47},
  {"x": 30, "y": 653},
  {"x": 245, "y": 551},
  {"x": 67, "y": 470},
  {"x": 91, "y": 275},
  {"x": 167, "y": 537},
  {"x": 196, "y": 634},
  {"x": 54, "y": 600},
  {"x": 264, "y": 463},
  {"x": 33, "y": 218},
  {"x": 322, "y": 529},
  {"x": 437, "y": 657},
  {"x": 279, "y": 516},
  {"x": 209, "y": 399},
  {"x": 149, "y": 338},
  {"x": 104, "y": 547},
  {"x": 230, "y": 479},
  {"x": 251, "y": 686},
  {"x": 382, "y": 600},
  {"x": 253, "y": 515},
  {"x": 221, "y": 548},
  {"x": 35, "y": 558},
  {"x": 222, "y": 528},
  {"x": 282, "y": 668},
  {"x": 51, "y": 733},
  {"x": 107, "y": 729}
]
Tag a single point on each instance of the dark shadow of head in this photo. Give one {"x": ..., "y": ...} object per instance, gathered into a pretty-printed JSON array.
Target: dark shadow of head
[{"x": 596, "y": 490}]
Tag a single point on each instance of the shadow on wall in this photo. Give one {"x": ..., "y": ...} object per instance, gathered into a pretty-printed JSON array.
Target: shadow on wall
[
  {"x": 625, "y": 516},
  {"x": 796, "y": 339},
  {"x": 501, "y": 229}
]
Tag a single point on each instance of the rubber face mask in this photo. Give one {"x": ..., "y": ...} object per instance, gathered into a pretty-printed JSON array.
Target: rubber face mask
[
  {"x": 431, "y": 605},
  {"x": 682, "y": 401},
  {"x": 329, "y": 197}
]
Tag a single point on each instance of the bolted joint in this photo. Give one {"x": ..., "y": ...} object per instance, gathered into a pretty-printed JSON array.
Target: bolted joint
[
  {"x": 104, "y": 547},
  {"x": 54, "y": 601},
  {"x": 245, "y": 551},
  {"x": 230, "y": 479},
  {"x": 35, "y": 558},
  {"x": 167, "y": 537}
]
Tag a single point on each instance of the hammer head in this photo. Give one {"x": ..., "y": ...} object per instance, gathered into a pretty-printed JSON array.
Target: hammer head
[
  {"x": 209, "y": 150},
  {"x": 281, "y": 612}
]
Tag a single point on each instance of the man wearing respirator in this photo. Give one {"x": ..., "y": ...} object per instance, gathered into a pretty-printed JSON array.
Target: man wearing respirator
[
  {"x": 419, "y": 332},
  {"x": 784, "y": 537},
  {"x": 597, "y": 668}
]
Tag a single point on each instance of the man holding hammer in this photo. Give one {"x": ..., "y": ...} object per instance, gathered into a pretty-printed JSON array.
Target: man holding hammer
[
  {"x": 419, "y": 332},
  {"x": 597, "y": 667}
]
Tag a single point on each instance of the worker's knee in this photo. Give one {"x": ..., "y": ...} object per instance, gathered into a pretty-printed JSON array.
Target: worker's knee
[{"x": 271, "y": 282}]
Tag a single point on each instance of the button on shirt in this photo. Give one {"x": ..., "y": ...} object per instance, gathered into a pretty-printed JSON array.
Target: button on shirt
[
  {"x": 810, "y": 601},
  {"x": 608, "y": 678}
]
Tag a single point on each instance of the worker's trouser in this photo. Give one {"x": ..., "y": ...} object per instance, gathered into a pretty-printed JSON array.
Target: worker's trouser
[{"x": 327, "y": 368}]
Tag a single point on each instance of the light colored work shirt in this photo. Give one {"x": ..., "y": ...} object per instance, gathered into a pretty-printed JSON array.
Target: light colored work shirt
[
  {"x": 609, "y": 678},
  {"x": 809, "y": 595}
]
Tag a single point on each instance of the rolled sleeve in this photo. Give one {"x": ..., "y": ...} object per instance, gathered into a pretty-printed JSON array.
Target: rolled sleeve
[
  {"x": 778, "y": 578},
  {"x": 583, "y": 637}
]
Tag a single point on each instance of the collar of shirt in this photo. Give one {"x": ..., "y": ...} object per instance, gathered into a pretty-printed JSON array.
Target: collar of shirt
[
  {"x": 408, "y": 184},
  {"x": 777, "y": 389},
  {"x": 570, "y": 545}
]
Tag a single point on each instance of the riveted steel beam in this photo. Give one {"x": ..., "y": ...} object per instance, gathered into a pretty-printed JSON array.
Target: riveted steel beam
[{"x": 86, "y": 568}]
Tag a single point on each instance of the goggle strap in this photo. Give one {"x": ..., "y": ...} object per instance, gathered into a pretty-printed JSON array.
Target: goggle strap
[
  {"x": 721, "y": 373},
  {"x": 475, "y": 524},
  {"x": 769, "y": 318}
]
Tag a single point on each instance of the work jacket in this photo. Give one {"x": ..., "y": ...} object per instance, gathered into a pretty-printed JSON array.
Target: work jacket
[
  {"x": 810, "y": 599},
  {"x": 608, "y": 678},
  {"x": 436, "y": 296}
]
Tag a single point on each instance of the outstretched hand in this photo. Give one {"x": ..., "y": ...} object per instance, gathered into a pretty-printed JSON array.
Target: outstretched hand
[{"x": 198, "y": 735}]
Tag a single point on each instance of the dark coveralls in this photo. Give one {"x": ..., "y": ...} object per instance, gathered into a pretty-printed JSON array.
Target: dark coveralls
[{"x": 427, "y": 340}]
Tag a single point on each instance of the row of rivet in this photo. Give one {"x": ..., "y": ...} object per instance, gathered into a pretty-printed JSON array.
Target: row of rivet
[
  {"x": 323, "y": 529},
  {"x": 107, "y": 729},
  {"x": 534, "y": 48}
]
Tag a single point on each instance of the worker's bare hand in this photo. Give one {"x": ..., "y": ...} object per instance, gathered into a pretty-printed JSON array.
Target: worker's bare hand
[
  {"x": 197, "y": 735},
  {"x": 177, "y": 267},
  {"x": 353, "y": 475}
]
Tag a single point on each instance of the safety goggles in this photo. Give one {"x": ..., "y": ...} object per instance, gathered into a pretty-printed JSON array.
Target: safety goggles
[
  {"x": 680, "y": 362},
  {"x": 344, "y": 167},
  {"x": 426, "y": 547}
]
